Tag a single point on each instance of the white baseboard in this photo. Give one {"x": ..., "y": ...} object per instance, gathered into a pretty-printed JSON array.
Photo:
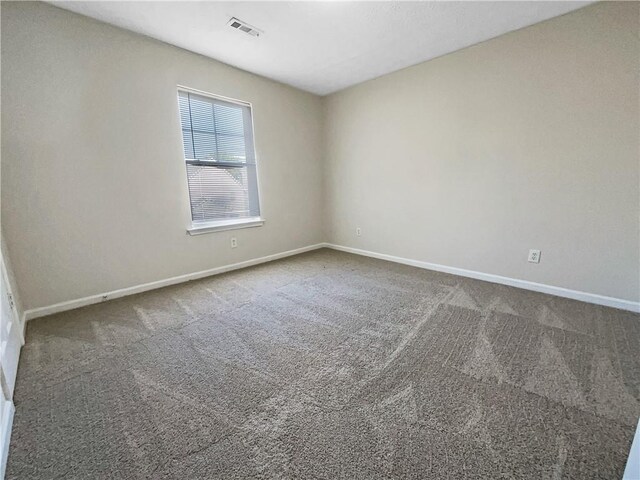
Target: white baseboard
[
  {"x": 101, "y": 297},
  {"x": 5, "y": 434},
  {"x": 513, "y": 282},
  {"x": 524, "y": 284}
]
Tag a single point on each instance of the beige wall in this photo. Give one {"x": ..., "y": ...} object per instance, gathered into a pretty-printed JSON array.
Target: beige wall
[
  {"x": 94, "y": 191},
  {"x": 530, "y": 140}
]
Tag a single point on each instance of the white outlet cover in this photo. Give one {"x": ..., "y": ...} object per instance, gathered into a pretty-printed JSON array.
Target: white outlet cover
[
  {"x": 534, "y": 256},
  {"x": 234, "y": 242},
  {"x": 358, "y": 231}
]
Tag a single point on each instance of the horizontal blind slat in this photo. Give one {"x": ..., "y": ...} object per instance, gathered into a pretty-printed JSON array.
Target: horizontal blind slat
[
  {"x": 218, "y": 193},
  {"x": 215, "y": 132}
]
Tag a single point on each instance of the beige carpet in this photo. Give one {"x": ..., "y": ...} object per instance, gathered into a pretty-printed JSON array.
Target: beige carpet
[{"x": 329, "y": 366}]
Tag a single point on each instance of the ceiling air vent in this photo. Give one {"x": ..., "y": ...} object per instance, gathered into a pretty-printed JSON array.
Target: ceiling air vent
[{"x": 244, "y": 27}]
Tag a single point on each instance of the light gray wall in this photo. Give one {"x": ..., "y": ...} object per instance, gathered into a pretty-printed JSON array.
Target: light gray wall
[
  {"x": 530, "y": 140},
  {"x": 94, "y": 190}
]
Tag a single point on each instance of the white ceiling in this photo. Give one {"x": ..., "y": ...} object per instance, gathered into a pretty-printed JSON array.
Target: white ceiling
[{"x": 323, "y": 46}]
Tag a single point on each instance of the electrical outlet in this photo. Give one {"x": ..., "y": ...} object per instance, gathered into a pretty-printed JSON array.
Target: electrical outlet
[
  {"x": 234, "y": 242},
  {"x": 358, "y": 231},
  {"x": 534, "y": 256}
]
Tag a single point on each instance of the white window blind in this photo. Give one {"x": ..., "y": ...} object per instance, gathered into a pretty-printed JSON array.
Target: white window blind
[{"x": 218, "y": 150}]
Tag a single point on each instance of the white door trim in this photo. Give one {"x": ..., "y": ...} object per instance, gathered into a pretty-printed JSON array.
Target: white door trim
[{"x": 5, "y": 434}]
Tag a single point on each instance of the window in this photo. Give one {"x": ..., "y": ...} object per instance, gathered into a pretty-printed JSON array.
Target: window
[{"x": 217, "y": 137}]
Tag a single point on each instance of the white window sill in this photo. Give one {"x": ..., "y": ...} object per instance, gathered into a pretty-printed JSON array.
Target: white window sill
[{"x": 209, "y": 227}]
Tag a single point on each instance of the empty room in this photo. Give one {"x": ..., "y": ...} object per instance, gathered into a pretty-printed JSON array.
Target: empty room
[{"x": 320, "y": 240}]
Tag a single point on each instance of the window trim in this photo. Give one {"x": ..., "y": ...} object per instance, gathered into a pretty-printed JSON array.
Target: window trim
[
  {"x": 220, "y": 226},
  {"x": 213, "y": 95},
  {"x": 198, "y": 228}
]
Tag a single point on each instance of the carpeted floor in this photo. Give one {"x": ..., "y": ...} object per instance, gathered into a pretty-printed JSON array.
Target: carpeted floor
[{"x": 329, "y": 366}]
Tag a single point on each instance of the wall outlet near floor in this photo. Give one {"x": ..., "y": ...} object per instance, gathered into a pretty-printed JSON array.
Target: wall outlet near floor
[
  {"x": 234, "y": 242},
  {"x": 534, "y": 256},
  {"x": 358, "y": 231}
]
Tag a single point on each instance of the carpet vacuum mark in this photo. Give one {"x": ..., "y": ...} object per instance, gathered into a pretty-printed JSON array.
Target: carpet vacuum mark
[{"x": 328, "y": 365}]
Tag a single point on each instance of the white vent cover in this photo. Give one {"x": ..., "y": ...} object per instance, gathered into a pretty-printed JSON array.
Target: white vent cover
[{"x": 244, "y": 27}]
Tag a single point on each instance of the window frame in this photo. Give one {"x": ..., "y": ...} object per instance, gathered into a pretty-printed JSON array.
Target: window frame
[{"x": 197, "y": 228}]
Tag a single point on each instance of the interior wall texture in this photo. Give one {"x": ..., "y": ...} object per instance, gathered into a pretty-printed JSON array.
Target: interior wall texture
[
  {"x": 94, "y": 188},
  {"x": 527, "y": 141}
]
